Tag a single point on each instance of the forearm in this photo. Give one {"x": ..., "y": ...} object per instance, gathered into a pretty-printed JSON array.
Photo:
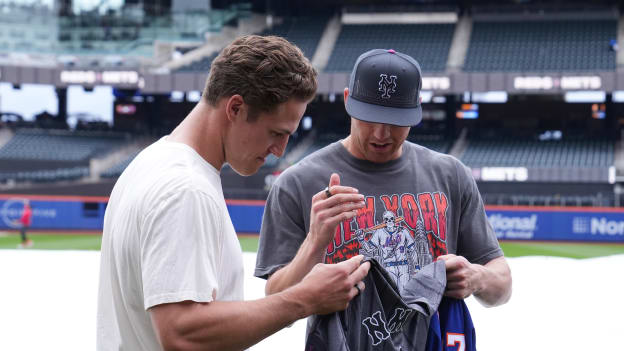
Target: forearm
[
  {"x": 225, "y": 325},
  {"x": 495, "y": 283},
  {"x": 308, "y": 255},
  {"x": 222, "y": 325}
]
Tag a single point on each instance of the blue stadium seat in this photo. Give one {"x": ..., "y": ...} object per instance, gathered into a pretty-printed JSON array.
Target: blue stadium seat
[
  {"x": 52, "y": 155},
  {"x": 533, "y": 46},
  {"x": 58, "y": 146},
  {"x": 575, "y": 153},
  {"x": 429, "y": 44},
  {"x": 117, "y": 169},
  {"x": 305, "y": 32},
  {"x": 47, "y": 175},
  {"x": 434, "y": 142}
]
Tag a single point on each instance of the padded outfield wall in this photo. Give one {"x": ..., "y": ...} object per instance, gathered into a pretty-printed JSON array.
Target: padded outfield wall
[{"x": 591, "y": 224}]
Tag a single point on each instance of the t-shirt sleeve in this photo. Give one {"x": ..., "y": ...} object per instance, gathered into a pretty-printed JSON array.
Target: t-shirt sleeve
[
  {"x": 477, "y": 240},
  {"x": 180, "y": 240},
  {"x": 283, "y": 227}
]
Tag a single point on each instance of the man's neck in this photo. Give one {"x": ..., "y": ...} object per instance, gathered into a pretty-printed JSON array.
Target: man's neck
[
  {"x": 348, "y": 144},
  {"x": 202, "y": 130}
]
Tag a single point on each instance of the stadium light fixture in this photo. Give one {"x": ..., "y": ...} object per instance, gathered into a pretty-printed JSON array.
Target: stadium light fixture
[
  {"x": 306, "y": 123},
  {"x": 176, "y": 96},
  {"x": 618, "y": 96},
  {"x": 426, "y": 96},
  {"x": 496, "y": 97},
  {"x": 585, "y": 96},
  {"x": 193, "y": 95}
]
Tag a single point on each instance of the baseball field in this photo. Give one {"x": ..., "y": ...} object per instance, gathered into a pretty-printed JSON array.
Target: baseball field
[{"x": 249, "y": 243}]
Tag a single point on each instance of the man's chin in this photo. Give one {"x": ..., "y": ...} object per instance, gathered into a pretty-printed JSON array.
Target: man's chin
[
  {"x": 245, "y": 172},
  {"x": 381, "y": 156}
]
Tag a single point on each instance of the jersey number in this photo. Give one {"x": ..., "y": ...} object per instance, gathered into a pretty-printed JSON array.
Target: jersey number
[{"x": 454, "y": 339}]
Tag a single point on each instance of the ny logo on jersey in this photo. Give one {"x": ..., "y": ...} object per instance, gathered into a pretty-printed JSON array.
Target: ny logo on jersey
[
  {"x": 379, "y": 330},
  {"x": 387, "y": 86}
]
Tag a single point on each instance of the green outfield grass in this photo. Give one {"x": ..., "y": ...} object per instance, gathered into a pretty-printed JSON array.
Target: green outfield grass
[
  {"x": 249, "y": 243},
  {"x": 80, "y": 241},
  {"x": 53, "y": 241},
  {"x": 560, "y": 249}
]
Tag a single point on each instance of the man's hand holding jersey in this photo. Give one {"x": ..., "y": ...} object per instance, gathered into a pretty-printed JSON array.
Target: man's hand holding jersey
[
  {"x": 330, "y": 287},
  {"x": 490, "y": 283}
]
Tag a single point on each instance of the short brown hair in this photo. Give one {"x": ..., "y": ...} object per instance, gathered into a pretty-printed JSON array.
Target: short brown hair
[{"x": 265, "y": 70}]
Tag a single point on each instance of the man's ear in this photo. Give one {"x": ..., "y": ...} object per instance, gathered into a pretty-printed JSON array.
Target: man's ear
[
  {"x": 346, "y": 95},
  {"x": 235, "y": 108}
]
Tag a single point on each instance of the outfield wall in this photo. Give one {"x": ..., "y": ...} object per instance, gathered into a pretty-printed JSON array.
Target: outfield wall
[
  {"x": 604, "y": 224},
  {"x": 510, "y": 222},
  {"x": 55, "y": 212}
]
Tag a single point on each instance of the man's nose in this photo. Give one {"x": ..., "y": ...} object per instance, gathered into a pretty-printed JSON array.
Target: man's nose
[
  {"x": 381, "y": 131},
  {"x": 279, "y": 147}
]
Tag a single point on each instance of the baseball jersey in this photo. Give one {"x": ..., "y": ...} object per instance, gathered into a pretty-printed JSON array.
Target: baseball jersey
[
  {"x": 380, "y": 318},
  {"x": 451, "y": 328},
  {"x": 26, "y": 218}
]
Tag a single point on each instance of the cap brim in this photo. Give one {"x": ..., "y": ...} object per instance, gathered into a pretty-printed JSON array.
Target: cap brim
[{"x": 403, "y": 117}]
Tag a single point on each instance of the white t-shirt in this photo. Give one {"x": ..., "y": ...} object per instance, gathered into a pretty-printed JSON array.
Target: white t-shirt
[{"x": 167, "y": 238}]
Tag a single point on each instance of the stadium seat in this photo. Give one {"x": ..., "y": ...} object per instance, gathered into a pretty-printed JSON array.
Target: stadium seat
[
  {"x": 429, "y": 44},
  {"x": 563, "y": 45},
  {"x": 117, "y": 169},
  {"x": 305, "y": 32},
  {"x": 58, "y": 146},
  {"x": 536, "y": 153},
  {"x": 39, "y": 155},
  {"x": 434, "y": 142}
]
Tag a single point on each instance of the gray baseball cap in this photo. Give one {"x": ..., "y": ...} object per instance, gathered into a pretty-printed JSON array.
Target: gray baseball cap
[{"x": 385, "y": 88}]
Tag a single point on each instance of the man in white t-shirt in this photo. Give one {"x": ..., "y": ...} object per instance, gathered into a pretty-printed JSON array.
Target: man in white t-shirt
[{"x": 171, "y": 274}]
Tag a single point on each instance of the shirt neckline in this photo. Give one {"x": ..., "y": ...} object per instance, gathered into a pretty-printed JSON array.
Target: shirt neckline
[
  {"x": 369, "y": 166},
  {"x": 194, "y": 152}
]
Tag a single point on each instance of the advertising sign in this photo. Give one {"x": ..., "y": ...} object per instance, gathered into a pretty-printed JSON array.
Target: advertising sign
[
  {"x": 51, "y": 213},
  {"x": 543, "y": 223},
  {"x": 588, "y": 224}
]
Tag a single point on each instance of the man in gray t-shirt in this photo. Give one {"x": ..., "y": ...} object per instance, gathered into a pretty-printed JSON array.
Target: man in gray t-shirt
[{"x": 405, "y": 188}]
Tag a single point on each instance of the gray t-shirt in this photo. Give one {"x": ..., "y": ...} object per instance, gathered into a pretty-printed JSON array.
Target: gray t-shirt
[{"x": 420, "y": 206}]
